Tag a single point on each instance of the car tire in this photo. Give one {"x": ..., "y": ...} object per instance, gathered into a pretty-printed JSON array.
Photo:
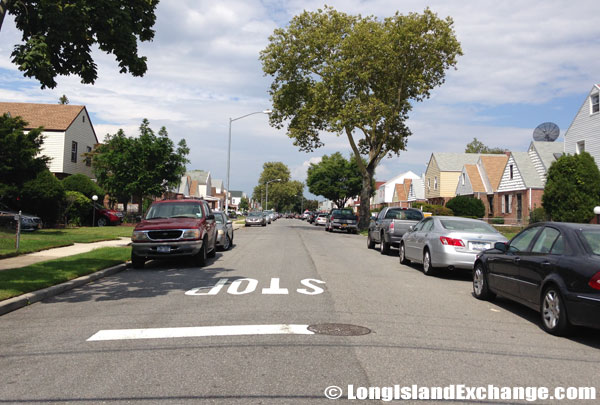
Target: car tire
[
  {"x": 370, "y": 243},
  {"x": 384, "y": 247},
  {"x": 428, "y": 269},
  {"x": 402, "y": 254},
  {"x": 553, "y": 312},
  {"x": 137, "y": 262},
  {"x": 227, "y": 243},
  {"x": 481, "y": 289},
  {"x": 213, "y": 251},
  {"x": 102, "y": 221},
  {"x": 201, "y": 256},
  {"x": 264, "y": 225}
]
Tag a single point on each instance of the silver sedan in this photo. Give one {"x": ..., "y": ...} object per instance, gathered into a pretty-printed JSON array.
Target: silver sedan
[
  {"x": 224, "y": 230},
  {"x": 447, "y": 242}
]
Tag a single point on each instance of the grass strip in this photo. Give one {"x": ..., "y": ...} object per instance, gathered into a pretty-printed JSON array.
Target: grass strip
[
  {"x": 14, "y": 282},
  {"x": 51, "y": 238}
]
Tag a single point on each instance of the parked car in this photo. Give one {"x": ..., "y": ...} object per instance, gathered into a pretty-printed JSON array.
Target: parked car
[
  {"x": 105, "y": 216},
  {"x": 175, "y": 228},
  {"x": 389, "y": 226},
  {"x": 224, "y": 230},
  {"x": 256, "y": 218},
  {"x": 321, "y": 219},
  {"x": 343, "y": 220},
  {"x": 8, "y": 219},
  {"x": 311, "y": 217},
  {"x": 447, "y": 242},
  {"x": 268, "y": 217},
  {"x": 551, "y": 267}
]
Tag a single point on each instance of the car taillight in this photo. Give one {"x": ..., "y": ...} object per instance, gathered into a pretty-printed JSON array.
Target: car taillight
[
  {"x": 595, "y": 281},
  {"x": 392, "y": 226},
  {"x": 451, "y": 241}
]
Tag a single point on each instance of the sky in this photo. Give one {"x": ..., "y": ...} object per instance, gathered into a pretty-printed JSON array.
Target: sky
[{"x": 524, "y": 63}]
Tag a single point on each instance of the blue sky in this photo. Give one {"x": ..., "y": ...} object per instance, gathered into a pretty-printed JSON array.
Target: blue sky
[{"x": 524, "y": 63}]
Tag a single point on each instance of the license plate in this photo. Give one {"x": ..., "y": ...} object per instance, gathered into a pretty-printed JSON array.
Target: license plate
[
  {"x": 163, "y": 249},
  {"x": 479, "y": 246},
  {"x": 344, "y": 225}
]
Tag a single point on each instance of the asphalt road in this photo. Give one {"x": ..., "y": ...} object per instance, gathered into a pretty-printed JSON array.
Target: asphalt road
[{"x": 427, "y": 331}]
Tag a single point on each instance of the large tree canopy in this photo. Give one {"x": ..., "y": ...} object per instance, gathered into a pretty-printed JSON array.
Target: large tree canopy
[
  {"x": 283, "y": 193},
  {"x": 335, "y": 178},
  {"x": 356, "y": 76},
  {"x": 476, "y": 146},
  {"x": 59, "y": 35}
]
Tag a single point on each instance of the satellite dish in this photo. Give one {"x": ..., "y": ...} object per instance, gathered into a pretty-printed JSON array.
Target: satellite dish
[{"x": 546, "y": 132}]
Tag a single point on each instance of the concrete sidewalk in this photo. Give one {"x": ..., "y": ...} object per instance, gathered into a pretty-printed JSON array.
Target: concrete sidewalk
[{"x": 57, "y": 253}]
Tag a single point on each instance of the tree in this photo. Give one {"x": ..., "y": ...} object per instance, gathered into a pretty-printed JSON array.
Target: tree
[
  {"x": 146, "y": 166},
  {"x": 20, "y": 159},
  {"x": 43, "y": 196},
  {"x": 63, "y": 100},
  {"x": 282, "y": 193},
  {"x": 244, "y": 204},
  {"x": 357, "y": 76},
  {"x": 476, "y": 146},
  {"x": 59, "y": 36},
  {"x": 572, "y": 189},
  {"x": 82, "y": 184},
  {"x": 466, "y": 206},
  {"x": 335, "y": 178}
]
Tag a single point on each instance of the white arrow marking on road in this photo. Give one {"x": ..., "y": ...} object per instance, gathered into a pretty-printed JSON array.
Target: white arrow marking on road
[{"x": 200, "y": 331}]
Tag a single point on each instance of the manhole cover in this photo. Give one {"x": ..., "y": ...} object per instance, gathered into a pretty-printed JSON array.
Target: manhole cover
[{"x": 338, "y": 329}]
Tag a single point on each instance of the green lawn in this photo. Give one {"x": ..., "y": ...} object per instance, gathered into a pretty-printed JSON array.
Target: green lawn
[
  {"x": 19, "y": 281},
  {"x": 50, "y": 238}
]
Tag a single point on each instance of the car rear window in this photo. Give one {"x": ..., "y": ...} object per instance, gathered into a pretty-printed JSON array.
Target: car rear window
[
  {"x": 592, "y": 238},
  {"x": 468, "y": 226},
  {"x": 404, "y": 214}
]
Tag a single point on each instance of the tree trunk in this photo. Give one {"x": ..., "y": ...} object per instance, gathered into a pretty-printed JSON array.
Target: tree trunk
[
  {"x": 365, "y": 197},
  {"x": 3, "y": 10}
]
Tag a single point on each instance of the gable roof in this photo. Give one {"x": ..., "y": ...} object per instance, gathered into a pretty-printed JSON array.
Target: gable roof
[
  {"x": 236, "y": 194},
  {"x": 547, "y": 150},
  {"x": 529, "y": 174},
  {"x": 454, "y": 162},
  {"x": 199, "y": 176},
  {"x": 475, "y": 178},
  {"x": 53, "y": 117},
  {"x": 494, "y": 168}
]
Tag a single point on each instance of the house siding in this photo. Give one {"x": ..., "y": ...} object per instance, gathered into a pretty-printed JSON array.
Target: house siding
[
  {"x": 433, "y": 171},
  {"x": 80, "y": 131},
  {"x": 537, "y": 163},
  {"x": 506, "y": 184},
  {"x": 585, "y": 127},
  {"x": 464, "y": 189},
  {"x": 53, "y": 147},
  {"x": 449, "y": 181}
]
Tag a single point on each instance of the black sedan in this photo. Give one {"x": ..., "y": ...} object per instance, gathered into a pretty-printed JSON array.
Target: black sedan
[{"x": 551, "y": 267}]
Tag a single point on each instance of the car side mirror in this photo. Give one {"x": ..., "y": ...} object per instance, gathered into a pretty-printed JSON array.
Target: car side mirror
[
  {"x": 501, "y": 246},
  {"x": 229, "y": 222},
  {"x": 411, "y": 228},
  {"x": 210, "y": 216}
]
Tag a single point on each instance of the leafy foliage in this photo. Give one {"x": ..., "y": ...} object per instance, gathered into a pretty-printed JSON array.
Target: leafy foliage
[
  {"x": 43, "y": 196},
  {"x": 434, "y": 209},
  {"x": 537, "y": 215},
  {"x": 572, "y": 189},
  {"x": 335, "y": 178},
  {"x": 82, "y": 184},
  {"x": 78, "y": 208},
  {"x": 476, "y": 146},
  {"x": 466, "y": 206},
  {"x": 59, "y": 36},
  {"x": 244, "y": 204},
  {"x": 283, "y": 193},
  {"x": 356, "y": 76}
]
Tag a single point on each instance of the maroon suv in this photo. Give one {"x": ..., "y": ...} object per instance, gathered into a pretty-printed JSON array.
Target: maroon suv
[{"x": 175, "y": 228}]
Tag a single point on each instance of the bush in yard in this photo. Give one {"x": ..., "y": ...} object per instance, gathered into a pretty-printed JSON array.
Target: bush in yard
[
  {"x": 84, "y": 185},
  {"x": 43, "y": 196},
  {"x": 434, "y": 209},
  {"x": 78, "y": 208},
  {"x": 537, "y": 215},
  {"x": 497, "y": 220},
  {"x": 465, "y": 206},
  {"x": 572, "y": 189}
]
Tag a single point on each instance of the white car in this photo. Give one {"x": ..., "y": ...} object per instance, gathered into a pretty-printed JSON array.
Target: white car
[{"x": 321, "y": 220}]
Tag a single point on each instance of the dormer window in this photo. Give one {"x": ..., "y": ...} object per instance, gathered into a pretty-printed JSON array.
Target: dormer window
[{"x": 595, "y": 103}]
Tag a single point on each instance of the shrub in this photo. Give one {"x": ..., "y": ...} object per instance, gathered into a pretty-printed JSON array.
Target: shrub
[
  {"x": 538, "y": 215},
  {"x": 82, "y": 184},
  {"x": 78, "y": 208},
  {"x": 43, "y": 196},
  {"x": 498, "y": 221},
  {"x": 466, "y": 206},
  {"x": 434, "y": 209}
]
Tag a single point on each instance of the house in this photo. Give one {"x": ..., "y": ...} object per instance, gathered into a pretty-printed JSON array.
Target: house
[
  {"x": 236, "y": 199},
  {"x": 481, "y": 180},
  {"x": 196, "y": 184},
  {"x": 218, "y": 191},
  {"x": 522, "y": 185},
  {"x": 68, "y": 134},
  {"x": 405, "y": 194},
  {"x": 385, "y": 192},
  {"x": 584, "y": 132},
  {"x": 443, "y": 172},
  {"x": 377, "y": 200}
]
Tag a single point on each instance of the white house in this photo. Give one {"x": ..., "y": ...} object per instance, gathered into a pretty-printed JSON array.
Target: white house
[
  {"x": 68, "y": 134},
  {"x": 385, "y": 192},
  {"x": 583, "y": 134}
]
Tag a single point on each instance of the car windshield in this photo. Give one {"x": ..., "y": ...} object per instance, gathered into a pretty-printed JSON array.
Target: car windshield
[
  {"x": 592, "y": 239},
  {"x": 174, "y": 210},
  {"x": 468, "y": 226},
  {"x": 255, "y": 214}
]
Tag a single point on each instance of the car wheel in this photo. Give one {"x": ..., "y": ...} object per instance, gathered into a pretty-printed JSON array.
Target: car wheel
[
  {"x": 201, "y": 255},
  {"x": 213, "y": 251},
  {"x": 428, "y": 269},
  {"x": 137, "y": 262},
  {"x": 402, "y": 254},
  {"x": 384, "y": 247},
  {"x": 481, "y": 290},
  {"x": 102, "y": 221},
  {"x": 370, "y": 243},
  {"x": 553, "y": 312},
  {"x": 226, "y": 243}
]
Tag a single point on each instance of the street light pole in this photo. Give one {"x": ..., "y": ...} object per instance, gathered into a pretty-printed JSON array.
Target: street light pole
[
  {"x": 229, "y": 152},
  {"x": 267, "y": 196}
]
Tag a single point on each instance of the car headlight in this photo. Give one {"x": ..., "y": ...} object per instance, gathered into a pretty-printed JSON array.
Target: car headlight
[
  {"x": 220, "y": 232},
  {"x": 191, "y": 234},
  {"x": 139, "y": 236}
]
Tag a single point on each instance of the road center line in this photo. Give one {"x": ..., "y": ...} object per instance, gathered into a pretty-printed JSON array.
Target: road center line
[{"x": 200, "y": 331}]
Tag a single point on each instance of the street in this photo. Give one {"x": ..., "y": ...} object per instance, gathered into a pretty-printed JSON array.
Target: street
[{"x": 427, "y": 331}]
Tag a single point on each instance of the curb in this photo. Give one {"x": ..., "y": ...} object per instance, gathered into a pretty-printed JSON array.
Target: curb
[{"x": 23, "y": 300}]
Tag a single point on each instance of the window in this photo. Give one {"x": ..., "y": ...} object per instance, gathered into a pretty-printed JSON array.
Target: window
[
  {"x": 511, "y": 172},
  {"x": 83, "y": 118},
  {"x": 521, "y": 242},
  {"x": 544, "y": 243},
  {"x": 435, "y": 183},
  {"x": 88, "y": 158},
  {"x": 427, "y": 225},
  {"x": 507, "y": 204},
  {"x": 595, "y": 103},
  {"x": 463, "y": 178},
  {"x": 580, "y": 147},
  {"x": 74, "y": 152}
]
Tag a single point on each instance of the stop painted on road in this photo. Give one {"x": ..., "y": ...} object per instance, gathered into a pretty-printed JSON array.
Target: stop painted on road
[{"x": 244, "y": 286}]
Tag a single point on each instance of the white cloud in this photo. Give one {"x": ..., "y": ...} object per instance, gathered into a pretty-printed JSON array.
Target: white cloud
[{"x": 299, "y": 172}]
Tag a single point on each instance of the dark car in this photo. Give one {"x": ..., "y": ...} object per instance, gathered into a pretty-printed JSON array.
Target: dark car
[
  {"x": 551, "y": 267},
  {"x": 342, "y": 220},
  {"x": 8, "y": 219}
]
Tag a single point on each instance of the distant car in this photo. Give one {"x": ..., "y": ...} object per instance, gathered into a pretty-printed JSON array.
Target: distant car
[
  {"x": 321, "y": 219},
  {"x": 551, "y": 267},
  {"x": 447, "y": 242},
  {"x": 256, "y": 218},
  {"x": 105, "y": 216},
  {"x": 8, "y": 219},
  {"x": 342, "y": 220},
  {"x": 224, "y": 230},
  {"x": 389, "y": 226},
  {"x": 268, "y": 217}
]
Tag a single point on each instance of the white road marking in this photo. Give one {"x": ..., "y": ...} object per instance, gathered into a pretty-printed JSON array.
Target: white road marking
[
  {"x": 248, "y": 285},
  {"x": 234, "y": 288},
  {"x": 214, "y": 290},
  {"x": 274, "y": 288},
  {"x": 200, "y": 331}
]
